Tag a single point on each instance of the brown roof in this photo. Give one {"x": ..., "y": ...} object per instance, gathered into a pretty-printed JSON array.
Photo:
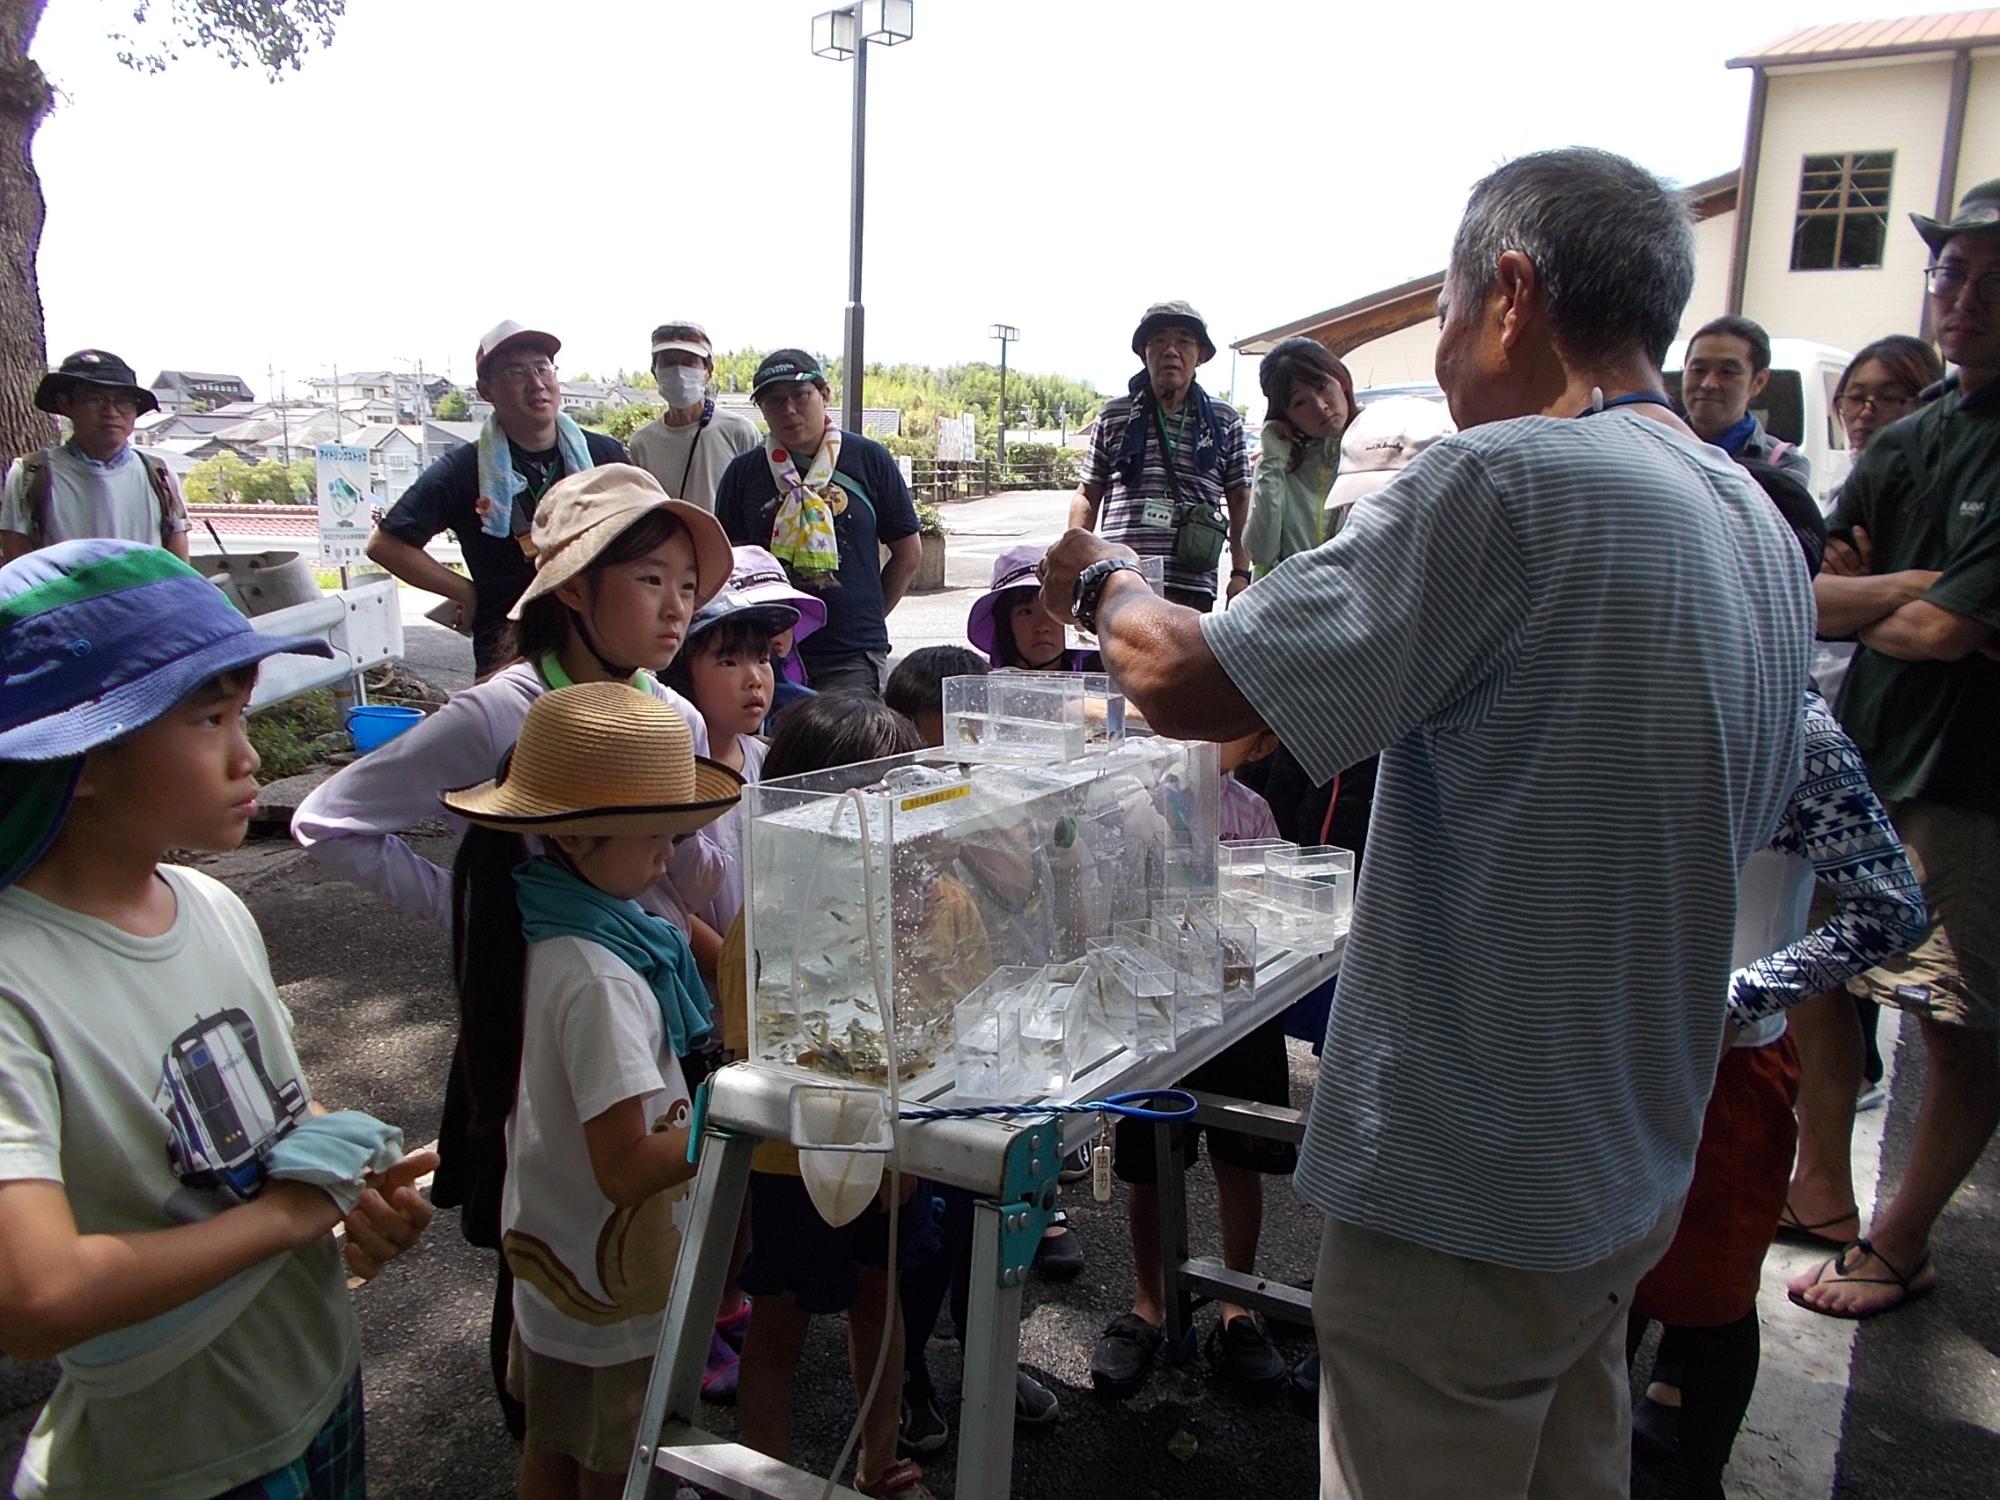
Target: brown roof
[
  {"x": 1852, "y": 40},
  {"x": 1395, "y": 308}
]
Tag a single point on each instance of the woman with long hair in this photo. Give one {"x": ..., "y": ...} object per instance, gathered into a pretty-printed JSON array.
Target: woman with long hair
[{"x": 1309, "y": 400}]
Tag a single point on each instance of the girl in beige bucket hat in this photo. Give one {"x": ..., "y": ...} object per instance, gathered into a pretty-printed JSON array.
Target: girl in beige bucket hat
[
  {"x": 621, "y": 569},
  {"x": 577, "y": 1008}
]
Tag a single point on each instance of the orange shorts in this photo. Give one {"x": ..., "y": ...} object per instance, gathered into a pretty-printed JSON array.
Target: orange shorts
[{"x": 1711, "y": 1272}]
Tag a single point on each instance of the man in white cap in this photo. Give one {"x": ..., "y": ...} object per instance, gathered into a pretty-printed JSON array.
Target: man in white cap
[
  {"x": 688, "y": 445},
  {"x": 485, "y": 493}
]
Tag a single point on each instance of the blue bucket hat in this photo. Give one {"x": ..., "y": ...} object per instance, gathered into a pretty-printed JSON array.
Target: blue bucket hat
[
  {"x": 729, "y": 603},
  {"x": 99, "y": 638}
]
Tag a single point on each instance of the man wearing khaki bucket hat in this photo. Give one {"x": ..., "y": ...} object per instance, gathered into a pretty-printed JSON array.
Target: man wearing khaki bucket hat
[
  {"x": 579, "y": 1008},
  {"x": 621, "y": 568}
]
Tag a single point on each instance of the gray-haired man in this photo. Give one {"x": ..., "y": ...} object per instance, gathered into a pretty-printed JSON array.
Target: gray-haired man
[{"x": 1588, "y": 712}]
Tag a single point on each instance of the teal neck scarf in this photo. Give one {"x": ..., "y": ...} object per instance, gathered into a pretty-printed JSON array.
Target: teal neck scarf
[{"x": 556, "y": 903}]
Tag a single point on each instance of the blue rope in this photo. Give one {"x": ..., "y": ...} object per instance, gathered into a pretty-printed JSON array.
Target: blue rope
[{"x": 1179, "y": 1105}]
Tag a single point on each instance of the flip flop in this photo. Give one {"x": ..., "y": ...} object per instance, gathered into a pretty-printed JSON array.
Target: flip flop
[
  {"x": 1906, "y": 1281},
  {"x": 1793, "y": 1231}
]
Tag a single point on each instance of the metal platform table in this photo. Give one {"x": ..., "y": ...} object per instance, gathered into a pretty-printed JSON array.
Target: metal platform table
[{"x": 1011, "y": 1164}]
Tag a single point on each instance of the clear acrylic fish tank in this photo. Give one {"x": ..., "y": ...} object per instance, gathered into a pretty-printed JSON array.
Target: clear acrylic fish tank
[
  {"x": 889, "y": 892},
  {"x": 1032, "y": 716}
]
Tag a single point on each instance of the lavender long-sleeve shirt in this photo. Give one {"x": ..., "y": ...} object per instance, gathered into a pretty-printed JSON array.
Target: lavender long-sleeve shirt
[{"x": 352, "y": 823}]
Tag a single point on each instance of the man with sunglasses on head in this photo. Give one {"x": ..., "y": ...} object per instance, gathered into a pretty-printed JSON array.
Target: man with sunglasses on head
[
  {"x": 485, "y": 493},
  {"x": 95, "y": 484},
  {"x": 689, "y": 444},
  {"x": 1913, "y": 575}
]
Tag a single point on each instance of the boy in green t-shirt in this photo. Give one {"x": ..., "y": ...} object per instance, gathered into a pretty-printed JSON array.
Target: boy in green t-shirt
[{"x": 168, "y": 1188}]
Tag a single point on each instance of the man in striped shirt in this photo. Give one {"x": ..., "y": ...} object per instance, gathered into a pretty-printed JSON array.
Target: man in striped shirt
[
  {"x": 1580, "y": 646},
  {"x": 1166, "y": 457}
]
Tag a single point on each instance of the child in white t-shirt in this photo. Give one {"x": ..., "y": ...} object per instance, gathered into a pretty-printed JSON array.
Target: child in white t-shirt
[
  {"x": 168, "y": 1185},
  {"x": 576, "y": 1006}
]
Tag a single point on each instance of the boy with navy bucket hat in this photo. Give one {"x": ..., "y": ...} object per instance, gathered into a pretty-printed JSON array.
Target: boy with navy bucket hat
[{"x": 168, "y": 1186}]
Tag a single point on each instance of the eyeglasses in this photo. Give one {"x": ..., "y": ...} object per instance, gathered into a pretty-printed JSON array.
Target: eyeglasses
[
  {"x": 1948, "y": 280},
  {"x": 119, "y": 401},
  {"x": 787, "y": 395},
  {"x": 540, "y": 372},
  {"x": 1853, "y": 403}
]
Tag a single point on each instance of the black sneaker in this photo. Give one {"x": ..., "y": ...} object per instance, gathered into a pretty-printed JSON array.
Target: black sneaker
[
  {"x": 1124, "y": 1354},
  {"x": 1075, "y": 1166},
  {"x": 1059, "y": 1257},
  {"x": 1303, "y": 1382},
  {"x": 923, "y": 1429},
  {"x": 1242, "y": 1350},
  {"x": 1656, "y": 1431},
  {"x": 1034, "y": 1403}
]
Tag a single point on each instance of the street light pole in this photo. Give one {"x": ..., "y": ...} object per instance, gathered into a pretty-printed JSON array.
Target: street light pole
[
  {"x": 1007, "y": 334},
  {"x": 850, "y": 350},
  {"x": 841, "y": 34}
]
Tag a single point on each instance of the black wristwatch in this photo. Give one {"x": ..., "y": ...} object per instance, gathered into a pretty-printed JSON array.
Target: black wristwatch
[{"x": 1090, "y": 587}]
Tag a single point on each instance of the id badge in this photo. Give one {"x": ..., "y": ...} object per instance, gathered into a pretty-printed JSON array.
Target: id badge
[{"x": 1158, "y": 514}]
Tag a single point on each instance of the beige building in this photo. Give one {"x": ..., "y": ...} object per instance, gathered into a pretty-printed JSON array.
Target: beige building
[{"x": 1852, "y": 127}]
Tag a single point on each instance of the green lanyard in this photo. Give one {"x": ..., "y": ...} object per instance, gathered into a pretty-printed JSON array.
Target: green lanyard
[
  {"x": 1173, "y": 444},
  {"x": 551, "y": 668}
]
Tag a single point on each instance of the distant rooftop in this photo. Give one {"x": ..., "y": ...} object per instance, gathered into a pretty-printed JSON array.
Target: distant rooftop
[{"x": 1855, "y": 40}]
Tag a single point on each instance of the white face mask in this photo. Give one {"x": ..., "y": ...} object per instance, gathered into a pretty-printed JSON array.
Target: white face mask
[{"x": 681, "y": 385}]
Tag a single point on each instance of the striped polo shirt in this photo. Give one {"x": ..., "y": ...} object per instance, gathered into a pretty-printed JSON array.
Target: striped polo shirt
[
  {"x": 1121, "y": 518},
  {"x": 1580, "y": 646}
]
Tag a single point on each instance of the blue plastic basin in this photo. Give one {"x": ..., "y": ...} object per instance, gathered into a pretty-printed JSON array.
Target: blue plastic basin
[{"x": 375, "y": 724}]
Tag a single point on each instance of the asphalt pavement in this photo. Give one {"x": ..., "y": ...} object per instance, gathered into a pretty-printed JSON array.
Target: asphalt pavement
[{"x": 1903, "y": 1408}]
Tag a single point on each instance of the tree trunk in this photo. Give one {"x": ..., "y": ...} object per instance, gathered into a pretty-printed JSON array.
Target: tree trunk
[{"x": 25, "y": 97}]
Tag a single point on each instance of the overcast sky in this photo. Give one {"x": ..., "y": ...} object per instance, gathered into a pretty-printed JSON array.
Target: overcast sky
[{"x": 597, "y": 166}]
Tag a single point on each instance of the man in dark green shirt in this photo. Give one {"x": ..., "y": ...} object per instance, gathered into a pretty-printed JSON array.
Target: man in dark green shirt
[{"x": 1916, "y": 581}]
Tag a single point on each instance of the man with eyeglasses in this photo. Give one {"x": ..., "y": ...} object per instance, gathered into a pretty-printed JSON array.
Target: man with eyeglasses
[
  {"x": 1728, "y": 365},
  {"x": 824, "y": 502},
  {"x": 1915, "y": 579},
  {"x": 485, "y": 493},
  {"x": 689, "y": 444},
  {"x": 95, "y": 484}
]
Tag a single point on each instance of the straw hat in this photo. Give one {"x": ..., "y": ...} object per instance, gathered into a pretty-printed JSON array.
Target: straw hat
[
  {"x": 584, "y": 513},
  {"x": 602, "y": 758}
]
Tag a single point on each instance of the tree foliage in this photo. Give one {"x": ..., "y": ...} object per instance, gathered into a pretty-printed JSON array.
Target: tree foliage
[
  {"x": 453, "y": 406},
  {"x": 622, "y": 421},
  {"x": 230, "y": 479},
  {"x": 274, "y": 35},
  {"x": 926, "y": 393}
]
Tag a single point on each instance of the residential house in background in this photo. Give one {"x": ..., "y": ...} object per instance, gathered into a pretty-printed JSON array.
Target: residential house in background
[{"x": 197, "y": 390}]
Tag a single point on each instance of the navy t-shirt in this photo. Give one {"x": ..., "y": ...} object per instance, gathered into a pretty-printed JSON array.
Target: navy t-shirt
[
  {"x": 443, "y": 499},
  {"x": 879, "y": 510}
]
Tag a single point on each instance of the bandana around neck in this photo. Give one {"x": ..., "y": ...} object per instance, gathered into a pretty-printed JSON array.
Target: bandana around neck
[{"x": 802, "y": 535}]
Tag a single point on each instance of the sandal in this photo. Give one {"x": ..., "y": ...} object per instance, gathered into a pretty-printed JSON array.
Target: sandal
[
  {"x": 1795, "y": 1231},
  {"x": 902, "y": 1480},
  {"x": 1910, "y": 1283}
]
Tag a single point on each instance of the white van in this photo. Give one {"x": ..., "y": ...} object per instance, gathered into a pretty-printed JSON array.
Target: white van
[{"x": 1796, "y": 405}]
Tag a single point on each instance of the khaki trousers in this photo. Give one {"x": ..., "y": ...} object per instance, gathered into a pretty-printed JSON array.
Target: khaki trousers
[{"x": 1450, "y": 1379}]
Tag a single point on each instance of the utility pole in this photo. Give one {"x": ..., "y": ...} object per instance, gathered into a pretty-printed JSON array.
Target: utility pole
[
  {"x": 339, "y": 431},
  {"x": 284, "y": 425}
]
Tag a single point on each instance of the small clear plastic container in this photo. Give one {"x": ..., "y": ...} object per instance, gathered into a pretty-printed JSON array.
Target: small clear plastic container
[
  {"x": 986, "y": 1036},
  {"x": 1032, "y": 716},
  {"x": 1234, "y": 938},
  {"x": 1241, "y": 860},
  {"x": 1325, "y": 863},
  {"x": 1305, "y": 915},
  {"x": 1054, "y": 1028},
  {"x": 1196, "y": 960},
  {"x": 1136, "y": 999}
]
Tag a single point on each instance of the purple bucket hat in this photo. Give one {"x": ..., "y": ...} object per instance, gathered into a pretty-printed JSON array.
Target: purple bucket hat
[{"x": 1012, "y": 569}]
